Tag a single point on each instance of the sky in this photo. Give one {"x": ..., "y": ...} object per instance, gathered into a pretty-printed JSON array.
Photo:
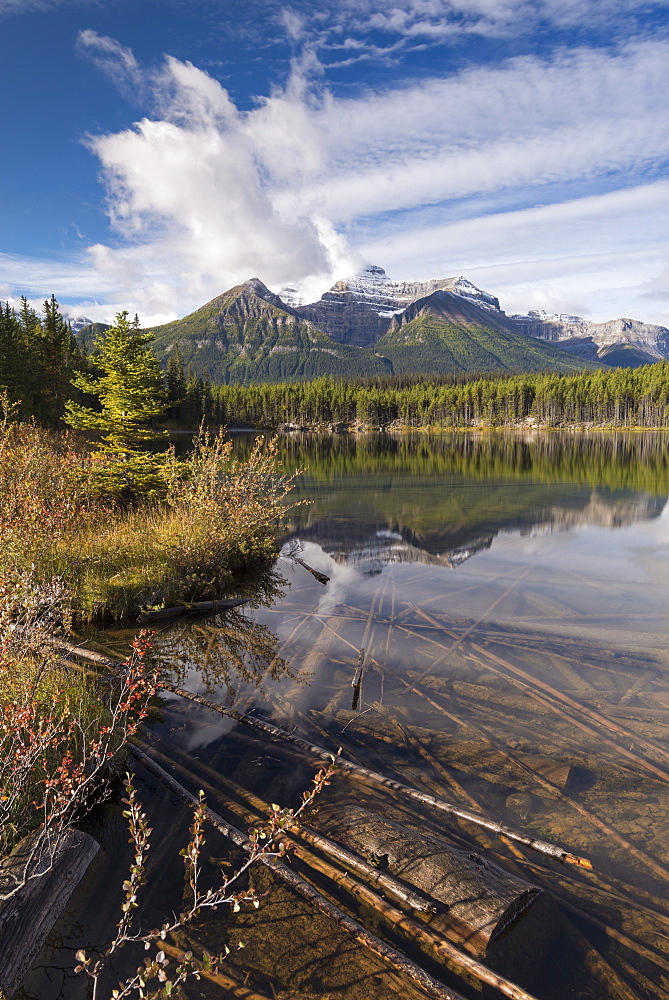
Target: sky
[{"x": 158, "y": 152}]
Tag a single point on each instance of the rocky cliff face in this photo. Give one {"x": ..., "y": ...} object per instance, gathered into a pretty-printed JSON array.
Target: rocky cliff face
[
  {"x": 644, "y": 338},
  {"x": 359, "y": 310}
]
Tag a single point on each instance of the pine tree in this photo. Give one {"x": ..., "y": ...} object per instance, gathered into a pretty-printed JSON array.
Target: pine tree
[{"x": 131, "y": 395}]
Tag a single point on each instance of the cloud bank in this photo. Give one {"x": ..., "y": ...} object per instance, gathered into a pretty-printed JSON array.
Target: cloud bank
[{"x": 202, "y": 195}]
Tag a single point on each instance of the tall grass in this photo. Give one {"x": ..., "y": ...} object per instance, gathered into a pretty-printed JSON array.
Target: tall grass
[{"x": 216, "y": 518}]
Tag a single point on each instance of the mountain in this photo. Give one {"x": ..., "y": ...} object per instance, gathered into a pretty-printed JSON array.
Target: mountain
[
  {"x": 249, "y": 334},
  {"x": 359, "y": 310},
  {"x": 618, "y": 342},
  {"x": 447, "y": 332}
]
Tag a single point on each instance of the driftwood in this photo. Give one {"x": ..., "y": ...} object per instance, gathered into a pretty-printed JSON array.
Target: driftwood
[
  {"x": 321, "y": 577},
  {"x": 364, "y": 774},
  {"x": 351, "y": 861},
  {"x": 196, "y": 608},
  {"x": 307, "y": 891},
  {"x": 558, "y": 701},
  {"x": 424, "y": 937},
  {"x": 26, "y": 919},
  {"x": 359, "y": 772},
  {"x": 574, "y": 803},
  {"x": 492, "y": 914}
]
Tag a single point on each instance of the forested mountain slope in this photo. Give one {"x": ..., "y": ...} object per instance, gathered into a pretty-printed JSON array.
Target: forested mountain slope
[
  {"x": 249, "y": 335},
  {"x": 447, "y": 333}
]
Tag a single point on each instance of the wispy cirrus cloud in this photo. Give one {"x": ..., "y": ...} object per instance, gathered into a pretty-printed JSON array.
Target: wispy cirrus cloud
[
  {"x": 589, "y": 256},
  {"x": 441, "y": 20},
  {"x": 8, "y": 7},
  {"x": 526, "y": 122}
]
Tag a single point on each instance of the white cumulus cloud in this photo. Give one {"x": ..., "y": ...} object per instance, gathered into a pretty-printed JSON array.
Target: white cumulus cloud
[
  {"x": 474, "y": 172},
  {"x": 192, "y": 191}
]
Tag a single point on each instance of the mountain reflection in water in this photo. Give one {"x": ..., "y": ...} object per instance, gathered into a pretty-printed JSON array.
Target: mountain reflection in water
[{"x": 382, "y": 499}]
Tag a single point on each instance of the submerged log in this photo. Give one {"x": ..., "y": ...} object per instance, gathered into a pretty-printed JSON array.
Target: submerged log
[
  {"x": 26, "y": 919},
  {"x": 356, "y": 770},
  {"x": 196, "y": 608},
  {"x": 492, "y": 914},
  {"x": 399, "y": 961},
  {"x": 321, "y": 577},
  {"x": 395, "y": 918}
]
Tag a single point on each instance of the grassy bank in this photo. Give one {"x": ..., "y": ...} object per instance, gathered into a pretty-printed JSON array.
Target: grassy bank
[{"x": 214, "y": 518}]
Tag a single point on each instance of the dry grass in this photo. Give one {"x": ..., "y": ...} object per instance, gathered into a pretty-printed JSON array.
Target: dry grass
[{"x": 216, "y": 519}]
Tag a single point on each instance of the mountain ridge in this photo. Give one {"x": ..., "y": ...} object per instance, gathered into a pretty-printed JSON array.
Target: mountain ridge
[
  {"x": 639, "y": 343},
  {"x": 248, "y": 334}
]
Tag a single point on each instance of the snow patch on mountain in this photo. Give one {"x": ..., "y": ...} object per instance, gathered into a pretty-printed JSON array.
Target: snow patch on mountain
[
  {"x": 373, "y": 287},
  {"x": 541, "y": 316}
]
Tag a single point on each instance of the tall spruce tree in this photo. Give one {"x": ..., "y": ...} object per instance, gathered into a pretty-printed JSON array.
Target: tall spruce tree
[
  {"x": 131, "y": 394},
  {"x": 59, "y": 357},
  {"x": 130, "y": 389}
]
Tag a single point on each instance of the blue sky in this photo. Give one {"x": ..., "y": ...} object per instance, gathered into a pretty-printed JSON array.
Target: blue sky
[{"x": 157, "y": 152}]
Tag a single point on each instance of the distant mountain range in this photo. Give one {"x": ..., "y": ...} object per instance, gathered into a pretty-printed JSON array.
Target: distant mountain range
[
  {"x": 618, "y": 342},
  {"x": 370, "y": 325},
  {"x": 365, "y": 326}
]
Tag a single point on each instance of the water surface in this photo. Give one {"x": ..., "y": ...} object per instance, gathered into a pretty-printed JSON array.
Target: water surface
[{"x": 510, "y": 595}]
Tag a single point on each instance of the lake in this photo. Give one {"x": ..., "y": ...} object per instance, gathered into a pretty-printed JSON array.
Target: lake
[{"x": 493, "y": 632}]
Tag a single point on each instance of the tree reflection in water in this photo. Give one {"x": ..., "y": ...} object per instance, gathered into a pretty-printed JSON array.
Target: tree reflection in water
[{"x": 228, "y": 650}]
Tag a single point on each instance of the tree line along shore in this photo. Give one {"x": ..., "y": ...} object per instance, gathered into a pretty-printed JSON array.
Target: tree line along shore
[
  {"x": 40, "y": 358},
  {"x": 618, "y": 397}
]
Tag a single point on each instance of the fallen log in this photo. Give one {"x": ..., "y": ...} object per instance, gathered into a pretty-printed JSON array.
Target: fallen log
[
  {"x": 307, "y": 891},
  {"x": 26, "y": 918},
  {"x": 445, "y": 950},
  {"x": 371, "y": 777},
  {"x": 196, "y": 608},
  {"x": 492, "y": 914},
  {"x": 395, "y": 918},
  {"x": 352, "y": 861},
  {"x": 357, "y": 770}
]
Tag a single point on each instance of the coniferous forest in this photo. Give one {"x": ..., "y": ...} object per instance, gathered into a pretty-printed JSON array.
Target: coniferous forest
[
  {"x": 618, "y": 397},
  {"x": 39, "y": 357}
]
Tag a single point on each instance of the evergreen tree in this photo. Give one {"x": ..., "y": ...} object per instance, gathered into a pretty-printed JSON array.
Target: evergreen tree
[
  {"x": 130, "y": 389},
  {"x": 59, "y": 356}
]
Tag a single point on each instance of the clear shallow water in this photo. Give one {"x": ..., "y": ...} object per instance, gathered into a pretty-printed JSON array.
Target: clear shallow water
[{"x": 511, "y": 598}]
